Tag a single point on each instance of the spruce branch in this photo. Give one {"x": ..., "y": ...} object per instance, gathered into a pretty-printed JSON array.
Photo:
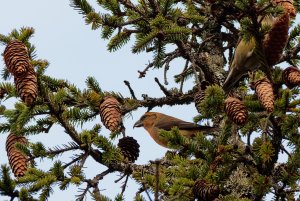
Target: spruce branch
[
  {"x": 58, "y": 150},
  {"x": 129, "y": 5},
  {"x": 155, "y": 6},
  {"x": 176, "y": 98},
  {"x": 82, "y": 6},
  {"x": 74, "y": 160}
]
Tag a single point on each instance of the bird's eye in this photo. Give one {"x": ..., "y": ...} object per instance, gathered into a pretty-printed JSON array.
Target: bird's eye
[{"x": 143, "y": 117}]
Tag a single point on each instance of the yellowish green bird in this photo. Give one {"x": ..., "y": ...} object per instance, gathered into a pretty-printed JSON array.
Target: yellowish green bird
[{"x": 245, "y": 59}]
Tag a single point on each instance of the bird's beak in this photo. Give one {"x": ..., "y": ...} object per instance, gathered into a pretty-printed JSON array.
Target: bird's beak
[{"x": 138, "y": 124}]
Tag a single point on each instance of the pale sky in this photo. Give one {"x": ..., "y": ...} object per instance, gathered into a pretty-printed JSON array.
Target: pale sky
[{"x": 76, "y": 52}]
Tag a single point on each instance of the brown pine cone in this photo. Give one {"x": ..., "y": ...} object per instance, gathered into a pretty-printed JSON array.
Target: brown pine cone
[
  {"x": 129, "y": 148},
  {"x": 17, "y": 159},
  {"x": 264, "y": 91},
  {"x": 291, "y": 76},
  {"x": 236, "y": 110},
  {"x": 27, "y": 87},
  {"x": 288, "y": 6},
  {"x": 110, "y": 113},
  {"x": 276, "y": 40},
  {"x": 204, "y": 191},
  {"x": 16, "y": 58}
]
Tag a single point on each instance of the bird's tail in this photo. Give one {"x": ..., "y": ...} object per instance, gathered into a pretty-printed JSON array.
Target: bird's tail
[
  {"x": 208, "y": 129},
  {"x": 231, "y": 80}
]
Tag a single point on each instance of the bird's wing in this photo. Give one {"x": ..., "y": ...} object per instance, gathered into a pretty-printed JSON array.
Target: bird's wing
[{"x": 183, "y": 125}]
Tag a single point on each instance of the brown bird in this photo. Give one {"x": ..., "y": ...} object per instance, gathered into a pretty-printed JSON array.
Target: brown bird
[{"x": 153, "y": 122}]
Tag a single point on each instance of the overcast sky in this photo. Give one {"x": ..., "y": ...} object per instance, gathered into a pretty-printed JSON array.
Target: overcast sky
[{"x": 76, "y": 52}]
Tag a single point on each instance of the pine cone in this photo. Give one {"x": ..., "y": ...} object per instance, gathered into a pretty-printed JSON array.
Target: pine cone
[
  {"x": 17, "y": 160},
  {"x": 27, "y": 87},
  {"x": 129, "y": 148},
  {"x": 276, "y": 39},
  {"x": 287, "y": 6},
  {"x": 204, "y": 191},
  {"x": 291, "y": 76},
  {"x": 200, "y": 95},
  {"x": 110, "y": 113},
  {"x": 236, "y": 110},
  {"x": 264, "y": 91},
  {"x": 16, "y": 58}
]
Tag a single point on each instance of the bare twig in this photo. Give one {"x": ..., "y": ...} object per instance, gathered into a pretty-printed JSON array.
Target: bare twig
[
  {"x": 182, "y": 76},
  {"x": 73, "y": 161},
  {"x": 285, "y": 151},
  {"x": 157, "y": 163},
  {"x": 124, "y": 185},
  {"x": 167, "y": 67},
  {"x": 83, "y": 160},
  {"x": 127, "y": 83},
  {"x": 166, "y": 92},
  {"x": 84, "y": 192},
  {"x": 124, "y": 175},
  {"x": 170, "y": 57},
  {"x": 249, "y": 138},
  {"x": 104, "y": 173},
  {"x": 143, "y": 73},
  {"x": 147, "y": 193}
]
